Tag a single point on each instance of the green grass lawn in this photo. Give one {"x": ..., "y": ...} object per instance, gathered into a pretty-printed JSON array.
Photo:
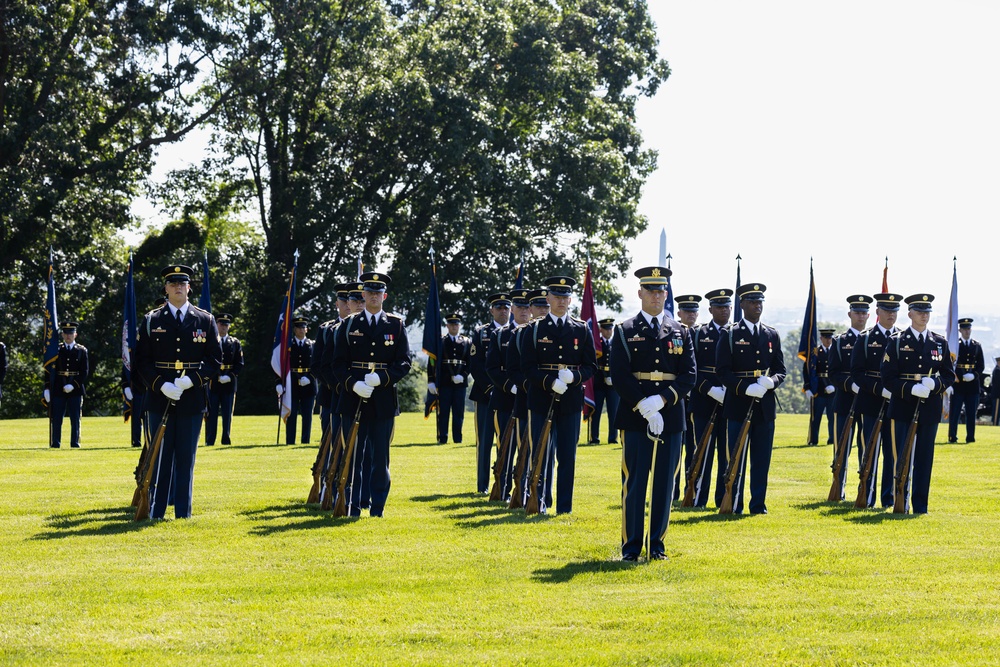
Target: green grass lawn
[{"x": 259, "y": 577}]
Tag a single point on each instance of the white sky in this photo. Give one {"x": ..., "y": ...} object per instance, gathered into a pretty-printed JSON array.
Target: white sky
[{"x": 847, "y": 131}]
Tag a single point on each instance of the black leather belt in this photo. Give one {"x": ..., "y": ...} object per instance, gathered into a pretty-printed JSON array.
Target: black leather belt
[
  {"x": 370, "y": 365},
  {"x": 67, "y": 373},
  {"x": 749, "y": 374},
  {"x": 178, "y": 365},
  {"x": 299, "y": 370},
  {"x": 558, "y": 367}
]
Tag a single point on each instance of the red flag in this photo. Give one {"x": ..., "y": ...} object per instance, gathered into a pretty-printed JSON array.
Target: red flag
[{"x": 588, "y": 313}]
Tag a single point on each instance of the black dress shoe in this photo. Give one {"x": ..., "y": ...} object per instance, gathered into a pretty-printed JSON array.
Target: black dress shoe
[
  {"x": 54, "y": 446},
  {"x": 657, "y": 555},
  {"x": 630, "y": 558},
  {"x": 595, "y": 442},
  {"x": 952, "y": 441},
  {"x": 74, "y": 446},
  {"x": 210, "y": 444},
  {"x": 612, "y": 442},
  {"x": 968, "y": 440}
]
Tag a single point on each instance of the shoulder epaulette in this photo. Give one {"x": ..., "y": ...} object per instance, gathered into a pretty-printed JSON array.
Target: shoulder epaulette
[
  {"x": 194, "y": 307},
  {"x": 81, "y": 347}
]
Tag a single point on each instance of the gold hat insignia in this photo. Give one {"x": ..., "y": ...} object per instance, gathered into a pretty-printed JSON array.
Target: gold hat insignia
[
  {"x": 656, "y": 273},
  {"x": 375, "y": 276},
  {"x": 756, "y": 287},
  {"x": 177, "y": 269},
  {"x": 562, "y": 282},
  {"x": 925, "y": 297}
]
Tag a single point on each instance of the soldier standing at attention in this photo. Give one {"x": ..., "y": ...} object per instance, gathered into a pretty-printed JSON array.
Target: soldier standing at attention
[
  {"x": 66, "y": 387},
  {"x": 995, "y": 391},
  {"x": 303, "y": 387},
  {"x": 482, "y": 387},
  {"x": 969, "y": 367},
  {"x": 557, "y": 357},
  {"x": 822, "y": 402},
  {"x": 448, "y": 378},
  {"x": 840, "y": 375},
  {"x": 688, "y": 306},
  {"x": 604, "y": 389},
  {"x": 866, "y": 364},
  {"x": 653, "y": 367},
  {"x": 916, "y": 369},
  {"x": 710, "y": 393},
  {"x": 177, "y": 349},
  {"x": 751, "y": 365},
  {"x": 505, "y": 389},
  {"x": 325, "y": 381},
  {"x": 371, "y": 355},
  {"x": 222, "y": 390}
]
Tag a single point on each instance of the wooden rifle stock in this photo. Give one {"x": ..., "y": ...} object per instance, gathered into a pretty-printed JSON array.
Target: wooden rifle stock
[
  {"x": 503, "y": 451},
  {"x": 327, "y": 493},
  {"x": 523, "y": 452},
  {"x": 534, "y": 504},
  {"x": 903, "y": 463},
  {"x": 340, "y": 509},
  {"x": 840, "y": 460},
  {"x": 149, "y": 469},
  {"x": 139, "y": 472},
  {"x": 862, "y": 500},
  {"x": 699, "y": 459},
  {"x": 317, "y": 469},
  {"x": 735, "y": 462}
]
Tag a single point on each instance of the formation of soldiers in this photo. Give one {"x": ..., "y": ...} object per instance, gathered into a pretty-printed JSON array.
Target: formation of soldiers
[{"x": 668, "y": 385}]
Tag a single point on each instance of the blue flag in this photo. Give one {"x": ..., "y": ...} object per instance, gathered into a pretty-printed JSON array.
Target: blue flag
[
  {"x": 205, "y": 302},
  {"x": 809, "y": 341},
  {"x": 432, "y": 335},
  {"x": 51, "y": 324},
  {"x": 281, "y": 349},
  {"x": 128, "y": 336}
]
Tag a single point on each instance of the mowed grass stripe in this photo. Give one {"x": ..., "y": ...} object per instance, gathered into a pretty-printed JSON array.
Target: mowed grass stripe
[{"x": 446, "y": 577}]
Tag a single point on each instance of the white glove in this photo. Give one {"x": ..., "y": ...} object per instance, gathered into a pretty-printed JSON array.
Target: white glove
[
  {"x": 303, "y": 381},
  {"x": 363, "y": 389},
  {"x": 280, "y": 388},
  {"x": 457, "y": 379},
  {"x": 373, "y": 380},
  {"x": 607, "y": 381},
  {"x": 886, "y": 394},
  {"x": 559, "y": 386},
  {"x": 920, "y": 391},
  {"x": 46, "y": 395},
  {"x": 756, "y": 391},
  {"x": 183, "y": 383},
  {"x": 969, "y": 377},
  {"x": 513, "y": 389},
  {"x": 718, "y": 393},
  {"x": 809, "y": 394},
  {"x": 128, "y": 393},
  {"x": 830, "y": 389},
  {"x": 949, "y": 390},
  {"x": 928, "y": 382},
  {"x": 765, "y": 382},
  {"x": 855, "y": 388},
  {"x": 171, "y": 391},
  {"x": 655, "y": 423},
  {"x": 223, "y": 379},
  {"x": 432, "y": 388},
  {"x": 67, "y": 388},
  {"x": 650, "y": 405},
  {"x": 566, "y": 375}
]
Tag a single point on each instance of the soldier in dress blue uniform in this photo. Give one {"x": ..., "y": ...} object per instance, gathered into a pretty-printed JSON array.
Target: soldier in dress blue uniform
[
  {"x": 324, "y": 380},
  {"x": 177, "y": 352},
  {"x": 482, "y": 387},
  {"x": 653, "y": 367},
  {"x": 995, "y": 391},
  {"x": 505, "y": 388},
  {"x": 840, "y": 375},
  {"x": 709, "y": 393},
  {"x": 449, "y": 379},
  {"x": 66, "y": 386},
  {"x": 303, "y": 386},
  {"x": 821, "y": 402},
  {"x": 604, "y": 389},
  {"x": 688, "y": 307},
  {"x": 371, "y": 355},
  {"x": 557, "y": 357},
  {"x": 866, "y": 364},
  {"x": 751, "y": 365},
  {"x": 969, "y": 367},
  {"x": 222, "y": 390},
  {"x": 917, "y": 369}
]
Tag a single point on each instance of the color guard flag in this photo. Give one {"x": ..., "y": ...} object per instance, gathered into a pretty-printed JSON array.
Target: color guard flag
[
  {"x": 205, "y": 302},
  {"x": 588, "y": 313},
  {"x": 128, "y": 336},
  {"x": 51, "y": 325},
  {"x": 432, "y": 336},
  {"x": 809, "y": 340},
  {"x": 280, "y": 359},
  {"x": 951, "y": 331}
]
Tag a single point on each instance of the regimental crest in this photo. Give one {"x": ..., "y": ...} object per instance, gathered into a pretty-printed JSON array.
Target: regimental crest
[{"x": 656, "y": 273}]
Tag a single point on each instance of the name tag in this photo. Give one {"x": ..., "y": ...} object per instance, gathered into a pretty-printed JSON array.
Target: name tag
[
  {"x": 159, "y": 330},
  {"x": 355, "y": 333},
  {"x": 544, "y": 340},
  {"x": 742, "y": 342},
  {"x": 635, "y": 339}
]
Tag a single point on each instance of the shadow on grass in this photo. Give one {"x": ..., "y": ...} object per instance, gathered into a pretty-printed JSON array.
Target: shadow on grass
[
  {"x": 103, "y": 521},
  {"x": 701, "y": 515},
  {"x": 420, "y": 444},
  {"x": 879, "y": 516},
  {"x": 561, "y": 575},
  {"x": 219, "y": 447},
  {"x": 472, "y": 510},
  {"x": 294, "y": 515}
]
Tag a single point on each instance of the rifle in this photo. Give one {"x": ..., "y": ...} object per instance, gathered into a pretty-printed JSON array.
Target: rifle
[
  {"x": 340, "y": 509},
  {"x": 695, "y": 474},
  {"x": 152, "y": 457},
  {"x": 534, "y": 504},
  {"x": 333, "y": 471},
  {"x": 652, "y": 479},
  {"x": 503, "y": 452},
  {"x": 735, "y": 463},
  {"x": 812, "y": 413},
  {"x": 873, "y": 441},
  {"x": 524, "y": 449},
  {"x": 840, "y": 460},
  {"x": 317, "y": 469},
  {"x": 903, "y": 464}
]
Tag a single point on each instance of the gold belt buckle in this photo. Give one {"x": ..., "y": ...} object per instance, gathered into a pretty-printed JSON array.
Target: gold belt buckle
[
  {"x": 918, "y": 377},
  {"x": 656, "y": 376},
  {"x": 561, "y": 367},
  {"x": 178, "y": 365},
  {"x": 757, "y": 374}
]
